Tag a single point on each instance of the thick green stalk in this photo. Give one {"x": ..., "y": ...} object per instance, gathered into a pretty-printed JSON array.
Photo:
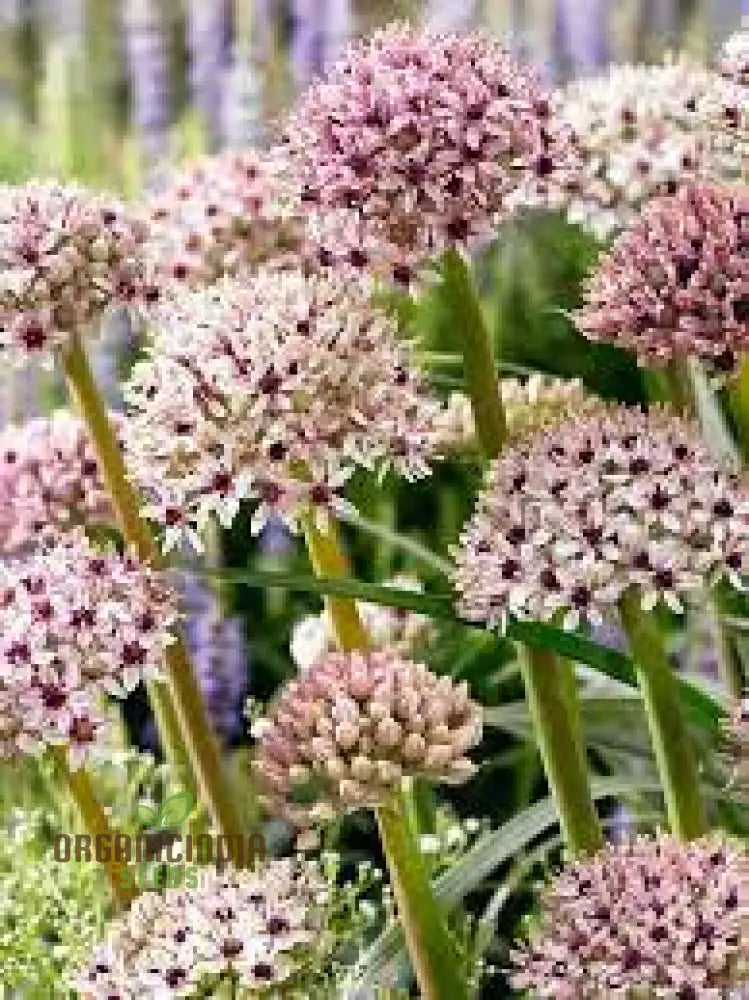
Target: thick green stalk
[
  {"x": 178, "y": 705},
  {"x": 94, "y": 821},
  {"x": 464, "y": 309},
  {"x": 562, "y": 751},
  {"x": 431, "y": 949},
  {"x": 674, "y": 753},
  {"x": 436, "y": 966}
]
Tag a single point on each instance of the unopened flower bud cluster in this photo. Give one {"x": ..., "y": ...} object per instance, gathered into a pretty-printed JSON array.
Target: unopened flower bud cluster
[{"x": 346, "y": 733}]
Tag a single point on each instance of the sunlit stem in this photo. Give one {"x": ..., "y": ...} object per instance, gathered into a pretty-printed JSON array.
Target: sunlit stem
[
  {"x": 178, "y": 705},
  {"x": 432, "y": 950},
  {"x": 470, "y": 332},
  {"x": 553, "y": 707},
  {"x": 95, "y": 822},
  {"x": 674, "y": 753}
]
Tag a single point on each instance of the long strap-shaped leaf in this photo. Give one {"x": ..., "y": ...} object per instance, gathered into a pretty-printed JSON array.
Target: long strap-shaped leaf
[{"x": 698, "y": 701}]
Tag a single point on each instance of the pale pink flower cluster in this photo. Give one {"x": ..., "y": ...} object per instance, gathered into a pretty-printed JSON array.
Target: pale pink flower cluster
[
  {"x": 76, "y": 624},
  {"x": 572, "y": 518},
  {"x": 734, "y": 58},
  {"x": 345, "y": 734},
  {"x": 254, "y": 924},
  {"x": 66, "y": 256},
  {"x": 677, "y": 282},
  {"x": 275, "y": 389},
  {"x": 651, "y": 917},
  {"x": 222, "y": 215},
  {"x": 641, "y": 131},
  {"x": 49, "y": 481},
  {"x": 416, "y": 142}
]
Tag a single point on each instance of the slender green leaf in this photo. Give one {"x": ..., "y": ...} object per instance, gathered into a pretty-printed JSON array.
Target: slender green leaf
[{"x": 703, "y": 706}]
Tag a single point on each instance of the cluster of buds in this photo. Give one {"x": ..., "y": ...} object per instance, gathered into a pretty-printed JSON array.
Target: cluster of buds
[
  {"x": 529, "y": 405},
  {"x": 76, "y": 625},
  {"x": 49, "y": 481},
  {"x": 676, "y": 283},
  {"x": 642, "y": 131},
  {"x": 222, "y": 215},
  {"x": 275, "y": 389},
  {"x": 66, "y": 256},
  {"x": 249, "y": 925},
  {"x": 650, "y": 917},
  {"x": 571, "y": 519},
  {"x": 418, "y": 142},
  {"x": 345, "y": 734}
]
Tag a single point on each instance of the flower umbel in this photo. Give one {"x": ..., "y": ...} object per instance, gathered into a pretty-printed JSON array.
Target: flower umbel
[
  {"x": 346, "y": 733},
  {"x": 223, "y": 214},
  {"x": 66, "y": 256},
  {"x": 249, "y": 923},
  {"x": 643, "y": 131},
  {"x": 651, "y": 916},
  {"x": 676, "y": 284},
  {"x": 572, "y": 518},
  {"x": 275, "y": 389},
  {"x": 49, "y": 481},
  {"x": 416, "y": 142},
  {"x": 76, "y": 625}
]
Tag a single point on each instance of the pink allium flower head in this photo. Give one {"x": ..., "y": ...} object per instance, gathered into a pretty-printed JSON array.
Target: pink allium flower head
[
  {"x": 644, "y": 131},
  {"x": 75, "y": 624},
  {"x": 247, "y": 384},
  {"x": 676, "y": 283},
  {"x": 577, "y": 514},
  {"x": 416, "y": 142},
  {"x": 66, "y": 256},
  {"x": 734, "y": 58},
  {"x": 223, "y": 214},
  {"x": 354, "y": 725},
  {"x": 650, "y": 917},
  {"x": 255, "y": 924},
  {"x": 49, "y": 481}
]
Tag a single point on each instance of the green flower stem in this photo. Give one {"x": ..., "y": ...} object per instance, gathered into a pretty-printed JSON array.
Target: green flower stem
[
  {"x": 327, "y": 559},
  {"x": 556, "y": 720},
  {"x": 674, "y": 753},
  {"x": 549, "y": 688},
  {"x": 432, "y": 951},
  {"x": 471, "y": 333},
  {"x": 93, "y": 819},
  {"x": 178, "y": 705},
  {"x": 436, "y": 965}
]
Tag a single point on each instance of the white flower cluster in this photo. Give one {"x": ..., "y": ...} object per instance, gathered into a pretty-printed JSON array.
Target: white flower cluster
[{"x": 644, "y": 130}]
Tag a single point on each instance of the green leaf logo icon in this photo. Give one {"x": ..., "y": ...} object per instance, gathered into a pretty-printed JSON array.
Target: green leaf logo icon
[
  {"x": 175, "y": 809},
  {"x": 145, "y": 815}
]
